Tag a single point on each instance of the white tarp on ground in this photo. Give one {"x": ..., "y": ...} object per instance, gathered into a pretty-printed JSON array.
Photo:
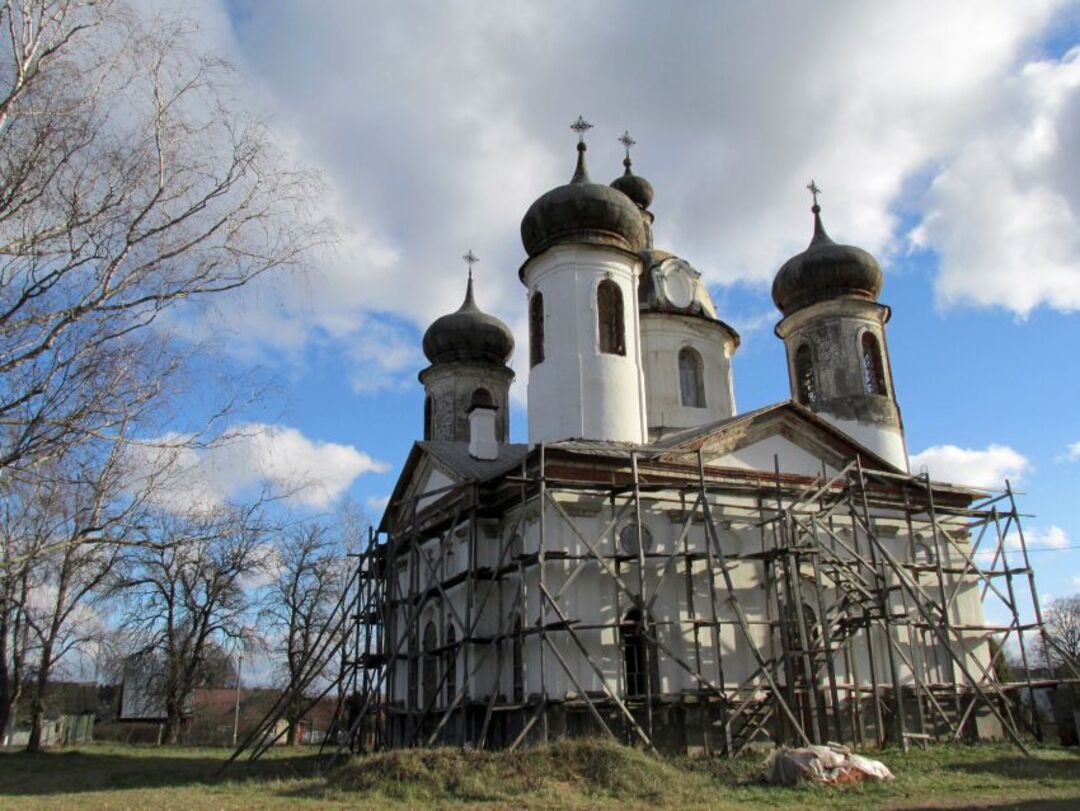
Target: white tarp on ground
[{"x": 822, "y": 764}]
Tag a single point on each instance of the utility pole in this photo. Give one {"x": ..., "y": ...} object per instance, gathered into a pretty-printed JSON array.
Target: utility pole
[{"x": 236, "y": 713}]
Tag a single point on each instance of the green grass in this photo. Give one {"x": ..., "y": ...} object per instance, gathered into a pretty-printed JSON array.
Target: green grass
[{"x": 567, "y": 774}]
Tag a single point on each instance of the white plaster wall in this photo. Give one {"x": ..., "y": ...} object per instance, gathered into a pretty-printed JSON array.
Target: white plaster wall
[
  {"x": 761, "y": 456},
  {"x": 593, "y": 599},
  {"x": 578, "y": 392},
  {"x": 663, "y": 335},
  {"x": 886, "y": 441}
]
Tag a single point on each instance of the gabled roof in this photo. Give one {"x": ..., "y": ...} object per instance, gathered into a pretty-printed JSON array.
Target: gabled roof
[
  {"x": 735, "y": 432},
  {"x": 454, "y": 460}
]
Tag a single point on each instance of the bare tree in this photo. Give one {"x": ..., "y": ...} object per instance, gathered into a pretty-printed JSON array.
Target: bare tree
[
  {"x": 131, "y": 182},
  {"x": 1062, "y": 621},
  {"x": 302, "y": 605},
  {"x": 187, "y": 591}
]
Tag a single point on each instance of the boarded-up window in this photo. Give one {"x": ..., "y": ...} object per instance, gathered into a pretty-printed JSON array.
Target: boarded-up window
[
  {"x": 805, "y": 379},
  {"x": 427, "y": 417},
  {"x": 873, "y": 372},
  {"x": 536, "y": 329},
  {"x": 691, "y": 378},
  {"x": 609, "y": 313}
]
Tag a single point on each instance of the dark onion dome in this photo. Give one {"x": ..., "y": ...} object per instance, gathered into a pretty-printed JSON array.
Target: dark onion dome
[
  {"x": 468, "y": 335},
  {"x": 582, "y": 211},
  {"x": 638, "y": 189},
  {"x": 825, "y": 271}
]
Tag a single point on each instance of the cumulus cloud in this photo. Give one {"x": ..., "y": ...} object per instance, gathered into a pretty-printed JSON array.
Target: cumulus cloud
[
  {"x": 437, "y": 124},
  {"x": 307, "y": 472},
  {"x": 1072, "y": 452},
  {"x": 1004, "y": 214},
  {"x": 976, "y": 468}
]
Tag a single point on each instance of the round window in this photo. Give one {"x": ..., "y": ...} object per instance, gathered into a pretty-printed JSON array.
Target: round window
[{"x": 628, "y": 537}]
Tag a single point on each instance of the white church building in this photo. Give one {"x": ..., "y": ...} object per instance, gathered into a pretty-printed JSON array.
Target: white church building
[{"x": 652, "y": 564}]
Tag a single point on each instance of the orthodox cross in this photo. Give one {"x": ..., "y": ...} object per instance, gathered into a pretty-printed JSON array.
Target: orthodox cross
[
  {"x": 470, "y": 259},
  {"x": 814, "y": 190},
  {"x": 580, "y": 127},
  {"x": 627, "y": 141}
]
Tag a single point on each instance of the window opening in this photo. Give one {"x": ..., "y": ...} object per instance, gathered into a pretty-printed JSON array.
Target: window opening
[
  {"x": 805, "y": 379},
  {"x": 873, "y": 372},
  {"x": 609, "y": 313},
  {"x": 691, "y": 378},
  {"x": 536, "y": 329},
  {"x": 431, "y": 664},
  {"x": 451, "y": 664},
  {"x": 639, "y": 654}
]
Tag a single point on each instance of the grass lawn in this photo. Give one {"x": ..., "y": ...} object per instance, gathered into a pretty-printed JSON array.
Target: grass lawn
[{"x": 569, "y": 774}]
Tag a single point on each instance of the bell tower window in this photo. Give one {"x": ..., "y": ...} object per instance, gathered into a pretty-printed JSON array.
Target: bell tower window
[
  {"x": 872, "y": 371},
  {"x": 805, "y": 379},
  {"x": 609, "y": 313},
  {"x": 427, "y": 417},
  {"x": 691, "y": 378},
  {"x": 536, "y": 329}
]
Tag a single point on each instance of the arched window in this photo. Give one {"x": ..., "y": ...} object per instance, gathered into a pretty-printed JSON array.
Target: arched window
[
  {"x": 517, "y": 645},
  {"x": 431, "y": 664},
  {"x": 536, "y": 328},
  {"x": 921, "y": 553},
  {"x": 805, "y": 379},
  {"x": 427, "y": 417},
  {"x": 691, "y": 378},
  {"x": 609, "y": 315},
  {"x": 873, "y": 372},
  {"x": 481, "y": 398},
  {"x": 639, "y": 654},
  {"x": 451, "y": 664}
]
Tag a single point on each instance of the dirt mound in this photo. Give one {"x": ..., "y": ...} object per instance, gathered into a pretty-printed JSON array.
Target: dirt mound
[{"x": 589, "y": 767}]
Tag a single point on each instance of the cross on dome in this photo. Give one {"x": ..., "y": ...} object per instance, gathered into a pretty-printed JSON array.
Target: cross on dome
[
  {"x": 470, "y": 259},
  {"x": 814, "y": 190},
  {"x": 627, "y": 141},
  {"x": 581, "y": 126}
]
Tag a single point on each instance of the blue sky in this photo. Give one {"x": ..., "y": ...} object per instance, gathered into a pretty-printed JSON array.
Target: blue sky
[{"x": 945, "y": 139}]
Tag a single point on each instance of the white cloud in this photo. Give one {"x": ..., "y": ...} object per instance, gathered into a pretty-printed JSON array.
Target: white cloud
[
  {"x": 1076, "y": 580},
  {"x": 308, "y": 472},
  {"x": 1072, "y": 452},
  {"x": 1053, "y": 537},
  {"x": 436, "y": 130},
  {"x": 1004, "y": 213},
  {"x": 976, "y": 468},
  {"x": 377, "y": 504}
]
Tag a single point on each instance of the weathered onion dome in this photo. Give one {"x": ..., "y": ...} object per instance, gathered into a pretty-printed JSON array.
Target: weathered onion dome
[
  {"x": 825, "y": 271},
  {"x": 468, "y": 335},
  {"x": 637, "y": 188},
  {"x": 582, "y": 211}
]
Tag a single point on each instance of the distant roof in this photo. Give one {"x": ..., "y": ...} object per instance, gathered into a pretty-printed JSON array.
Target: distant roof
[{"x": 455, "y": 455}]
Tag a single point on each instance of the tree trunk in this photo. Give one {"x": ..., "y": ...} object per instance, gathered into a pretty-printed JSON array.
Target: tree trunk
[
  {"x": 37, "y": 722},
  {"x": 293, "y": 732}
]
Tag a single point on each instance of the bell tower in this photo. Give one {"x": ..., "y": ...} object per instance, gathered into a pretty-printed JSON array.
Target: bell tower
[
  {"x": 584, "y": 241},
  {"x": 834, "y": 331}
]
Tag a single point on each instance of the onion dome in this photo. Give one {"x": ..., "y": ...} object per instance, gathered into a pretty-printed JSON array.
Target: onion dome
[
  {"x": 638, "y": 189},
  {"x": 468, "y": 335},
  {"x": 582, "y": 211},
  {"x": 825, "y": 271}
]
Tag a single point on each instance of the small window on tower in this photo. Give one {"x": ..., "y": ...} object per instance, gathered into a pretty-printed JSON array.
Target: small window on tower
[
  {"x": 427, "y": 417},
  {"x": 691, "y": 378},
  {"x": 805, "y": 379},
  {"x": 609, "y": 313},
  {"x": 536, "y": 329},
  {"x": 873, "y": 372}
]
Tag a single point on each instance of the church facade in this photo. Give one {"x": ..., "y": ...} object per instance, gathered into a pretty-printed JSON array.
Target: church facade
[{"x": 652, "y": 564}]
